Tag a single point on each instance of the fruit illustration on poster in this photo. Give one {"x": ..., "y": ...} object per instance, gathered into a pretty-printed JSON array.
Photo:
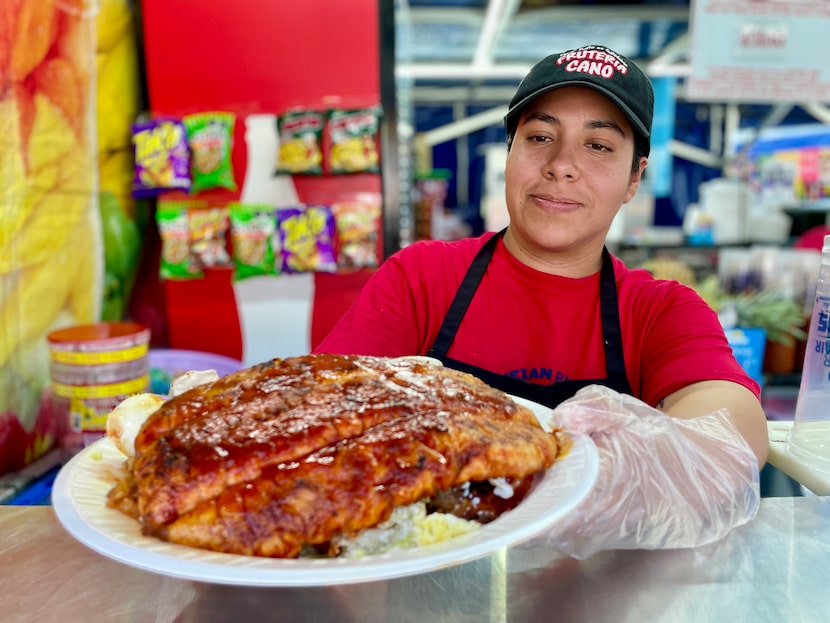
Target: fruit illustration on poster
[{"x": 52, "y": 260}]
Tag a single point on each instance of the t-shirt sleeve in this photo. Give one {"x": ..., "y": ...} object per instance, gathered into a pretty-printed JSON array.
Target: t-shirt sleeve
[
  {"x": 686, "y": 344},
  {"x": 381, "y": 319},
  {"x": 398, "y": 311}
]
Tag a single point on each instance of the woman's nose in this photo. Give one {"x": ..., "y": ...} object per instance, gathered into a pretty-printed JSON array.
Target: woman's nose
[{"x": 560, "y": 163}]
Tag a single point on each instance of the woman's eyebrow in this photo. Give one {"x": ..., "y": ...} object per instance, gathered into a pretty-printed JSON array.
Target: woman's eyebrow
[
  {"x": 541, "y": 116},
  {"x": 591, "y": 125},
  {"x": 599, "y": 125}
]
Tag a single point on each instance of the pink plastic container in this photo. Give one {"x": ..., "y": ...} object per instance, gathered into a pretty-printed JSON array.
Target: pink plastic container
[{"x": 167, "y": 364}]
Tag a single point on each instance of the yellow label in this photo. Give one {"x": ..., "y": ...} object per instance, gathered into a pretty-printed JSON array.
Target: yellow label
[
  {"x": 85, "y": 392},
  {"x": 108, "y": 356},
  {"x": 82, "y": 417}
]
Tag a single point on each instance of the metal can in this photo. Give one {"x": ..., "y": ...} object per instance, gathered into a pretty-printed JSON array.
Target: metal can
[{"x": 92, "y": 368}]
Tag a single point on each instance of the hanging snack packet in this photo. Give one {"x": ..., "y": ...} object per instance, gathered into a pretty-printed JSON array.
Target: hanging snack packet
[
  {"x": 208, "y": 235},
  {"x": 353, "y": 141},
  {"x": 162, "y": 159},
  {"x": 210, "y": 138},
  {"x": 300, "y": 143},
  {"x": 253, "y": 233},
  {"x": 307, "y": 239},
  {"x": 177, "y": 261},
  {"x": 357, "y": 233}
]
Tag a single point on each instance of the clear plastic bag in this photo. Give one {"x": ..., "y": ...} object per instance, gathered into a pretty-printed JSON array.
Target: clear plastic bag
[{"x": 663, "y": 482}]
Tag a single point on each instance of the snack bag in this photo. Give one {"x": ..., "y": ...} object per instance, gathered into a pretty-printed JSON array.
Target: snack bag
[
  {"x": 210, "y": 138},
  {"x": 208, "y": 227},
  {"x": 300, "y": 143},
  {"x": 353, "y": 141},
  {"x": 177, "y": 260},
  {"x": 357, "y": 233},
  {"x": 162, "y": 159},
  {"x": 255, "y": 243},
  {"x": 307, "y": 239}
]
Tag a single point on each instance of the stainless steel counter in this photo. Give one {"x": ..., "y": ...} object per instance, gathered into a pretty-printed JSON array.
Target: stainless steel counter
[{"x": 776, "y": 568}]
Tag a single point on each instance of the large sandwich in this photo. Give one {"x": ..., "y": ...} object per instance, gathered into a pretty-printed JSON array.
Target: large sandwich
[{"x": 304, "y": 454}]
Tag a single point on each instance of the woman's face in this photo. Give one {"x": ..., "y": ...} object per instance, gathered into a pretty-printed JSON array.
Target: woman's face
[{"x": 569, "y": 170}]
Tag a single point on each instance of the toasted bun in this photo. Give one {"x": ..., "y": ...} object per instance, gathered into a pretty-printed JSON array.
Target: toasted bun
[
  {"x": 124, "y": 422},
  {"x": 192, "y": 379}
]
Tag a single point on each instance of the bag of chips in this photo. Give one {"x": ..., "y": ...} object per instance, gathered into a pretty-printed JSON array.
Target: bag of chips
[
  {"x": 353, "y": 141},
  {"x": 300, "y": 143},
  {"x": 210, "y": 138},
  {"x": 307, "y": 239},
  {"x": 162, "y": 158},
  {"x": 255, "y": 243},
  {"x": 357, "y": 233},
  {"x": 208, "y": 235},
  {"x": 177, "y": 260}
]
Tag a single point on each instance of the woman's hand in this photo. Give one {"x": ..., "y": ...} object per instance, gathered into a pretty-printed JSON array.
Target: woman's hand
[{"x": 663, "y": 482}]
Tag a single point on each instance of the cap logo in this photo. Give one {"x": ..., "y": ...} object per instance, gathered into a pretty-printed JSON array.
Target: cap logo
[{"x": 593, "y": 62}]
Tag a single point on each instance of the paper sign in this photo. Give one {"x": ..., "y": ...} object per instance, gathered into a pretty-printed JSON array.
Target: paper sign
[{"x": 760, "y": 51}]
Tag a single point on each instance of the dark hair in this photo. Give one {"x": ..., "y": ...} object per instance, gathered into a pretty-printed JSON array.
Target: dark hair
[{"x": 641, "y": 148}]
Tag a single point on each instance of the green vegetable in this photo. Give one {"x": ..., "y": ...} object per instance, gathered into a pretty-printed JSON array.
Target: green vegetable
[
  {"x": 122, "y": 252},
  {"x": 766, "y": 309},
  {"x": 782, "y": 318}
]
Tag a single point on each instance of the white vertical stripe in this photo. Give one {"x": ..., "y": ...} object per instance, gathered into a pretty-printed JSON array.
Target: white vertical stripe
[
  {"x": 275, "y": 316},
  {"x": 274, "y": 312},
  {"x": 261, "y": 184}
]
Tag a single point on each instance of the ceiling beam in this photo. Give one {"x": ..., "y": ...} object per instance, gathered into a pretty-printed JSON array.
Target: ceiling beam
[
  {"x": 499, "y": 14},
  {"x": 463, "y": 127},
  {"x": 819, "y": 111},
  {"x": 461, "y": 71}
]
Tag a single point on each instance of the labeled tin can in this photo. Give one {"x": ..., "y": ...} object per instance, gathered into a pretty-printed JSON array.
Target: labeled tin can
[{"x": 92, "y": 369}]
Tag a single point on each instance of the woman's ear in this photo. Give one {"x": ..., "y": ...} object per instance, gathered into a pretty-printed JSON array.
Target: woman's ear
[{"x": 636, "y": 178}]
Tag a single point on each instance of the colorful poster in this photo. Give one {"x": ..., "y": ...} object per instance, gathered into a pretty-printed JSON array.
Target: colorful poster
[{"x": 68, "y": 94}]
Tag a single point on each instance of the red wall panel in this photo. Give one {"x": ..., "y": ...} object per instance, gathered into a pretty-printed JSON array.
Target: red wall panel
[{"x": 259, "y": 56}]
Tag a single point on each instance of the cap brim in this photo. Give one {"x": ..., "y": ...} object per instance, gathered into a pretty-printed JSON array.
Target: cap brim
[{"x": 632, "y": 118}]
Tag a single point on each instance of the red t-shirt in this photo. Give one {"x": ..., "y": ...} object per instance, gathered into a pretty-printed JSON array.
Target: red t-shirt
[{"x": 534, "y": 326}]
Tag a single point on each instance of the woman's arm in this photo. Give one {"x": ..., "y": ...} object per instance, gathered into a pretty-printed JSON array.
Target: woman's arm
[{"x": 745, "y": 410}]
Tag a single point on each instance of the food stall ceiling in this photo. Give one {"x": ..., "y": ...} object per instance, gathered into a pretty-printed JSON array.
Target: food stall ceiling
[
  {"x": 477, "y": 50},
  {"x": 474, "y": 52}
]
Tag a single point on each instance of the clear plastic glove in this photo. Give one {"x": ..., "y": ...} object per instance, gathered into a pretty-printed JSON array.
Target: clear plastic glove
[{"x": 663, "y": 482}]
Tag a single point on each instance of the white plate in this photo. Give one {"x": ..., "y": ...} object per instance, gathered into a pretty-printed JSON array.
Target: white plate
[{"x": 81, "y": 487}]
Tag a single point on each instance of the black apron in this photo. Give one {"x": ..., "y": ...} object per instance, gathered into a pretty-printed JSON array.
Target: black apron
[{"x": 548, "y": 395}]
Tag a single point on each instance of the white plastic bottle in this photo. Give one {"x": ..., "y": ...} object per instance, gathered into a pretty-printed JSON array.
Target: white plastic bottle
[{"x": 810, "y": 436}]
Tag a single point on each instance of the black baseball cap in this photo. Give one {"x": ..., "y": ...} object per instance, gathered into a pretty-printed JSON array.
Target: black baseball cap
[{"x": 596, "y": 67}]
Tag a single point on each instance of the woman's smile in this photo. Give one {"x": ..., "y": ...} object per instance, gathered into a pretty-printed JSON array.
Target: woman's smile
[{"x": 552, "y": 203}]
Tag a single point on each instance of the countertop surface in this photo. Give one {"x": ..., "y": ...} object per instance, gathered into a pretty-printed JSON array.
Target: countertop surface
[{"x": 776, "y": 568}]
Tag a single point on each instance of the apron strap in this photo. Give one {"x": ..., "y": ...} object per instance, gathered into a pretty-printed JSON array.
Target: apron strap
[
  {"x": 611, "y": 331},
  {"x": 463, "y": 296},
  {"x": 553, "y": 394}
]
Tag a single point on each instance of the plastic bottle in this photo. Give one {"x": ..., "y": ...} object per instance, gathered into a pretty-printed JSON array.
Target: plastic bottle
[{"x": 810, "y": 436}]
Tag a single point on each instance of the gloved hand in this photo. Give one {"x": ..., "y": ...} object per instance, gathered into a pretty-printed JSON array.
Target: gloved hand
[{"x": 663, "y": 482}]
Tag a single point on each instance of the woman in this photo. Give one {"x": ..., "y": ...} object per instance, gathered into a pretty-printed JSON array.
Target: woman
[{"x": 542, "y": 310}]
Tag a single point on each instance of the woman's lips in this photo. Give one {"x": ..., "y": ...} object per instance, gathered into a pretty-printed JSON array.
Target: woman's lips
[{"x": 557, "y": 204}]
